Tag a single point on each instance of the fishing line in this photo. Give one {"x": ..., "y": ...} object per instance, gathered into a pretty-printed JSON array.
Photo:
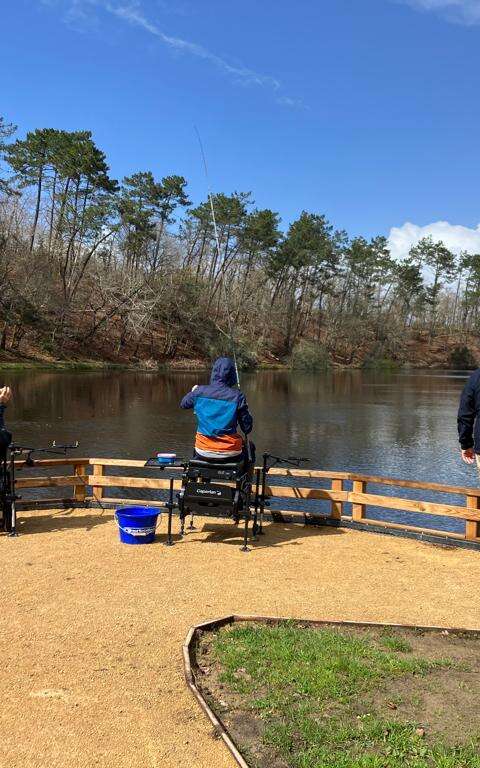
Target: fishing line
[
  {"x": 219, "y": 257},
  {"x": 222, "y": 278}
]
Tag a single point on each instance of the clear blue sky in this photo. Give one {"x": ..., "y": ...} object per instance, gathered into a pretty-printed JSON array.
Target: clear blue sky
[{"x": 366, "y": 110}]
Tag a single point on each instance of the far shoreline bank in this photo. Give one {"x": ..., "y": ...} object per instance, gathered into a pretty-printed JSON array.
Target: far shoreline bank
[{"x": 194, "y": 366}]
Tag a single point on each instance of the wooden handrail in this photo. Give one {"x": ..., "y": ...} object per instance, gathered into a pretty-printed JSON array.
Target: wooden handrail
[
  {"x": 410, "y": 505},
  {"x": 360, "y": 496},
  {"x": 319, "y": 474},
  {"x": 46, "y": 482},
  {"x": 68, "y": 461},
  {"x": 116, "y": 481},
  {"x": 134, "y": 463}
]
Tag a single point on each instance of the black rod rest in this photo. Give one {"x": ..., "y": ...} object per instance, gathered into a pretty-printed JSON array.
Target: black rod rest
[{"x": 8, "y": 494}]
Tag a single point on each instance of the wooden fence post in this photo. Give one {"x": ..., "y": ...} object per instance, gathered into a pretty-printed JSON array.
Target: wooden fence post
[
  {"x": 337, "y": 506},
  {"x": 358, "y": 510},
  {"x": 80, "y": 490},
  {"x": 98, "y": 471},
  {"x": 472, "y": 527}
]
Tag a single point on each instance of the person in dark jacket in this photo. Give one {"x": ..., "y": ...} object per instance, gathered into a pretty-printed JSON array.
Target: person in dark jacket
[
  {"x": 468, "y": 420},
  {"x": 5, "y": 435},
  {"x": 220, "y": 408}
]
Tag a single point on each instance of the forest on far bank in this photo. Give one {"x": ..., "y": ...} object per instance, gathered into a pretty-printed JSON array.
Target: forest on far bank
[{"x": 128, "y": 271}]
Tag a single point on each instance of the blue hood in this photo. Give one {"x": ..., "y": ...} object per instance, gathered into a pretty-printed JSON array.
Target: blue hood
[{"x": 223, "y": 372}]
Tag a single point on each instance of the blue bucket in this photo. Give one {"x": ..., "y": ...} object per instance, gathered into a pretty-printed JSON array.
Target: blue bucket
[{"x": 137, "y": 525}]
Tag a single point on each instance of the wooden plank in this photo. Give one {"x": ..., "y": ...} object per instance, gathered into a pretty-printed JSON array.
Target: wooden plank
[
  {"x": 136, "y": 463},
  {"x": 472, "y": 527},
  {"x": 375, "y": 480},
  {"x": 118, "y": 462},
  {"x": 48, "y": 503},
  {"x": 97, "y": 490},
  {"x": 312, "y": 473},
  {"x": 288, "y": 492},
  {"x": 47, "y": 482},
  {"x": 337, "y": 506},
  {"x": 410, "y": 505},
  {"x": 80, "y": 490},
  {"x": 413, "y": 528},
  {"x": 128, "y": 502},
  {"x": 358, "y": 510},
  {"x": 66, "y": 462},
  {"x": 110, "y": 481}
]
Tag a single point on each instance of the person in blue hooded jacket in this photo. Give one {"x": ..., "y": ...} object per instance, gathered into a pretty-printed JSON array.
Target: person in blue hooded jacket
[{"x": 220, "y": 408}]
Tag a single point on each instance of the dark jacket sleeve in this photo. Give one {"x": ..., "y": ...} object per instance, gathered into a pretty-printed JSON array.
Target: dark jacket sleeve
[
  {"x": 467, "y": 412},
  {"x": 244, "y": 416},
  {"x": 188, "y": 401},
  {"x": 5, "y": 435}
]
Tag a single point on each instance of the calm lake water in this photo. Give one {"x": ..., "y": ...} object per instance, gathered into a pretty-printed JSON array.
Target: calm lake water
[{"x": 400, "y": 424}]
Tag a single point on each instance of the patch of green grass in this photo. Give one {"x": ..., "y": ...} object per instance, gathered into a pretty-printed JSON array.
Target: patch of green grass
[
  {"x": 392, "y": 643},
  {"x": 372, "y": 743},
  {"x": 326, "y": 663},
  {"x": 314, "y": 688}
]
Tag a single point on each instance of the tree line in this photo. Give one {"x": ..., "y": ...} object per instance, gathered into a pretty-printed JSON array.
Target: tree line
[{"x": 130, "y": 269}]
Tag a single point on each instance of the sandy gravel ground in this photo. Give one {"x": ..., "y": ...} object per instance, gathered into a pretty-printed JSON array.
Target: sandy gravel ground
[{"x": 91, "y": 630}]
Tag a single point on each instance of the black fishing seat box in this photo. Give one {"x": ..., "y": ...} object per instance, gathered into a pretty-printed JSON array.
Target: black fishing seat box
[
  {"x": 214, "y": 470},
  {"x": 221, "y": 487}
]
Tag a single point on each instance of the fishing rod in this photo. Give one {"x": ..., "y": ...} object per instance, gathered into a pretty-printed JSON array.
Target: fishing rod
[
  {"x": 222, "y": 276},
  {"x": 219, "y": 255},
  {"x": 56, "y": 449},
  {"x": 289, "y": 461}
]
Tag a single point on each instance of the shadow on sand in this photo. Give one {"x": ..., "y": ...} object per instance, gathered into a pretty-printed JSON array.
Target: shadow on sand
[
  {"x": 275, "y": 535},
  {"x": 69, "y": 519},
  {"x": 63, "y": 520}
]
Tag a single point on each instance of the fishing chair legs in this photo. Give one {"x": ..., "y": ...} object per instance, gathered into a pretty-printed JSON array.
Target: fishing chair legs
[
  {"x": 222, "y": 488},
  {"x": 184, "y": 513},
  {"x": 245, "y": 547}
]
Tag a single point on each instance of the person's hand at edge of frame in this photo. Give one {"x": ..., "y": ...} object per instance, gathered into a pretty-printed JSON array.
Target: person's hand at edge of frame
[
  {"x": 5, "y": 395},
  {"x": 468, "y": 455}
]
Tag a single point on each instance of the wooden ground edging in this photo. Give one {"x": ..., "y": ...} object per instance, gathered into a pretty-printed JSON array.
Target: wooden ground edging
[{"x": 189, "y": 646}]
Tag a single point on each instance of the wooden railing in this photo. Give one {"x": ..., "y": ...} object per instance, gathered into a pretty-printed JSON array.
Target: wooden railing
[
  {"x": 94, "y": 473},
  {"x": 77, "y": 481}
]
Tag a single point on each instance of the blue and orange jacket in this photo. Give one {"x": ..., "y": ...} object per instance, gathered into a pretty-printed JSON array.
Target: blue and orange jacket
[{"x": 220, "y": 408}]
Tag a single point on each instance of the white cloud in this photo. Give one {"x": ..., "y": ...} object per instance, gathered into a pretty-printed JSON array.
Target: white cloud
[
  {"x": 85, "y": 14},
  {"x": 287, "y": 101},
  {"x": 132, "y": 13},
  {"x": 460, "y": 11},
  {"x": 455, "y": 236}
]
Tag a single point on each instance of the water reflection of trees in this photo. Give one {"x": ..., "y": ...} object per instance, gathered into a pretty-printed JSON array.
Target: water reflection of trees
[{"x": 390, "y": 423}]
